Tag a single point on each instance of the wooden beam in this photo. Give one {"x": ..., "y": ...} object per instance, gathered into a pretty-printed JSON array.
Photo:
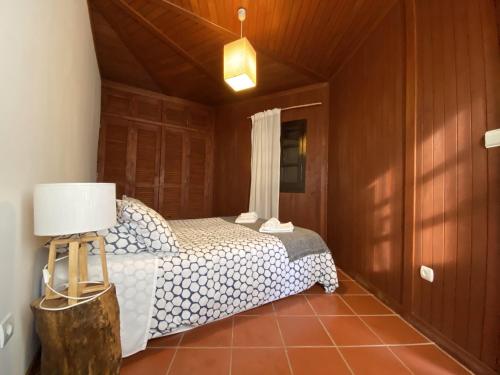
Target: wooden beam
[
  {"x": 214, "y": 26},
  {"x": 93, "y": 5},
  {"x": 162, "y": 36}
]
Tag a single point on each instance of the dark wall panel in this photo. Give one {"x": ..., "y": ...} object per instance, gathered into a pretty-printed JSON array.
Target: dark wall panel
[
  {"x": 365, "y": 214},
  {"x": 410, "y": 182},
  {"x": 452, "y": 178}
]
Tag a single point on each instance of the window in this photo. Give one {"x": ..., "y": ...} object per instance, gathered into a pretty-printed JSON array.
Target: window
[{"x": 293, "y": 156}]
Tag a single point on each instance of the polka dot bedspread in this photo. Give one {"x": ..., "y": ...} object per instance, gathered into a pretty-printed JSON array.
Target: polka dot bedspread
[{"x": 224, "y": 268}]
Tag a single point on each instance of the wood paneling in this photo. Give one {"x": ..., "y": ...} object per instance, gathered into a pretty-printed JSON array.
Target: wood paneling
[
  {"x": 233, "y": 150},
  {"x": 365, "y": 214},
  {"x": 406, "y": 157},
  {"x": 157, "y": 149},
  {"x": 177, "y": 45},
  {"x": 452, "y": 178},
  {"x": 114, "y": 141},
  {"x": 116, "y": 60},
  {"x": 168, "y": 69},
  {"x": 147, "y": 163},
  {"x": 148, "y": 108},
  {"x": 281, "y": 28},
  {"x": 171, "y": 193},
  {"x": 198, "y": 167}
]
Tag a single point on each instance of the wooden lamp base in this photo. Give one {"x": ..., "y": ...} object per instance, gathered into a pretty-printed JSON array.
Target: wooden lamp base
[{"x": 77, "y": 268}]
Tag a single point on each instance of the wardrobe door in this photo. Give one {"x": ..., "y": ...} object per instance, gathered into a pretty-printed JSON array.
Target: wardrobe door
[
  {"x": 114, "y": 149},
  {"x": 173, "y": 173},
  {"x": 199, "y": 166},
  {"x": 145, "y": 164}
]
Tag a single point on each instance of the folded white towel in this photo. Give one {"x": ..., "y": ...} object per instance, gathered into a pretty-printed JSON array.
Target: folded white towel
[
  {"x": 251, "y": 214},
  {"x": 247, "y": 218},
  {"x": 273, "y": 225},
  {"x": 245, "y": 221}
]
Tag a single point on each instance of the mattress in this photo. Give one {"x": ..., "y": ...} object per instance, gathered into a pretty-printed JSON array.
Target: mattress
[{"x": 223, "y": 269}]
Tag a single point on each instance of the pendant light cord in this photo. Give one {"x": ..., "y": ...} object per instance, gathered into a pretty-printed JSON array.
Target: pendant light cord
[{"x": 241, "y": 29}]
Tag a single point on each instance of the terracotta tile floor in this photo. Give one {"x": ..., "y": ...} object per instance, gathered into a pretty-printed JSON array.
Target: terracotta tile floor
[{"x": 313, "y": 333}]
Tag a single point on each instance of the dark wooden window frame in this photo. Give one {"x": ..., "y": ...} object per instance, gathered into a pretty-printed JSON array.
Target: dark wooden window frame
[{"x": 287, "y": 128}]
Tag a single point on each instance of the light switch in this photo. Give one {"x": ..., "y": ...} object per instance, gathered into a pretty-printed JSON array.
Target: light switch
[
  {"x": 427, "y": 273},
  {"x": 6, "y": 330},
  {"x": 492, "y": 138}
]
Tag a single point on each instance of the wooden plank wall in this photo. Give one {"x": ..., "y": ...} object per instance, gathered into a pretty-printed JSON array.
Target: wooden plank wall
[
  {"x": 454, "y": 51},
  {"x": 366, "y": 160},
  {"x": 233, "y": 150},
  {"x": 422, "y": 171},
  {"x": 158, "y": 149}
]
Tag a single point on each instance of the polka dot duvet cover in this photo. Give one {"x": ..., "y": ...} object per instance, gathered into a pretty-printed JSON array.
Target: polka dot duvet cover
[{"x": 224, "y": 268}]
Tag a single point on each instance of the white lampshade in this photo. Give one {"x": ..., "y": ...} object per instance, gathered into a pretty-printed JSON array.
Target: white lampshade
[
  {"x": 70, "y": 208},
  {"x": 240, "y": 65}
]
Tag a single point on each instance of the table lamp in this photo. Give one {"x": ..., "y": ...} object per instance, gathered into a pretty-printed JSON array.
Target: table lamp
[{"x": 74, "y": 209}]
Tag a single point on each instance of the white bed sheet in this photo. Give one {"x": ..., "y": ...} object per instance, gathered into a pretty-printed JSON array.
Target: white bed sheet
[{"x": 135, "y": 277}]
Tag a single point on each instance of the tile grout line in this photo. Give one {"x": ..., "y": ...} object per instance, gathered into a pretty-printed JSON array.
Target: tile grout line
[
  {"x": 411, "y": 372},
  {"x": 394, "y": 313},
  {"x": 331, "y": 338},
  {"x": 318, "y": 317},
  {"x": 175, "y": 354},
  {"x": 316, "y": 314},
  {"x": 341, "y": 270},
  {"x": 378, "y": 300},
  {"x": 453, "y": 359},
  {"x": 388, "y": 347},
  {"x": 344, "y": 278},
  {"x": 366, "y": 291},
  {"x": 282, "y": 340},
  {"x": 400, "y": 360},
  {"x": 296, "y": 346},
  {"x": 360, "y": 316},
  {"x": 382, "y": 341},
  {"x": 349, "y": 306},
  {"x": 311, "y": 306},
  {"x": 414, "y": 329}
]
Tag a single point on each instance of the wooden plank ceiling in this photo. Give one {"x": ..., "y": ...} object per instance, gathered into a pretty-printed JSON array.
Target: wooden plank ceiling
[{"x": 175, "y": 46}]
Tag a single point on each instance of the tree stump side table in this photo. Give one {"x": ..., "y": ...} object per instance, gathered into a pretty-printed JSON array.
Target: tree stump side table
[{"x": 84, "y": 339}]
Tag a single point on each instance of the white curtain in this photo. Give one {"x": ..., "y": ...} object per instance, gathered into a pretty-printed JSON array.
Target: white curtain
[{"x": 265, "y": 184}]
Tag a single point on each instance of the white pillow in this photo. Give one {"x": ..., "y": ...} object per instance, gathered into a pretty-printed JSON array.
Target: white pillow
[{"x": 148, "y": 225}]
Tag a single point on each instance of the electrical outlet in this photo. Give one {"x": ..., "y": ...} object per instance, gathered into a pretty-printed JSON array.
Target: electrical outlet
[
  {"x": 6, "y": 330},
  {"x": 427, "y": 273}
]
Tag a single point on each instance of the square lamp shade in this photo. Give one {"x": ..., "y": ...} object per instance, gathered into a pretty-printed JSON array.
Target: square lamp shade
[
  {"x": 71, "y": 208},
  {"x": 240, "y": 65}
]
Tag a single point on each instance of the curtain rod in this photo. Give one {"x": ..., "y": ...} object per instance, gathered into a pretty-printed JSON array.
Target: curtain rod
[{"x": 298, "y": 106}]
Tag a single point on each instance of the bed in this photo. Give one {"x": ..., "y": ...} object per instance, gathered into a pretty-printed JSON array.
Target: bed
[
  {"x": 225, "y": 268},
  {"x": 221, "y": 269}
]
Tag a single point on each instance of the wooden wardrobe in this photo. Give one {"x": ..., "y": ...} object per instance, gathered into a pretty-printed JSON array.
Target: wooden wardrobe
[{"x": 158, "y": 149}]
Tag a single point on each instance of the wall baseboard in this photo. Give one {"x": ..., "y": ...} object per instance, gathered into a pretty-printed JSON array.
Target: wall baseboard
[
  {"x": 470, "y": 361},
  {"x": 389, "y": 301},
  {"x": 456, "y": 351}
]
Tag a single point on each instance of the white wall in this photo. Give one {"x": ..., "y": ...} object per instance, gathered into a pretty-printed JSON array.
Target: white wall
[{"x": 49, "y": 120}]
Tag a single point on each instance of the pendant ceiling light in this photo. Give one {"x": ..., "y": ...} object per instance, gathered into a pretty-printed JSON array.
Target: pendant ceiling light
[{"x": 240, "y": 61}]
